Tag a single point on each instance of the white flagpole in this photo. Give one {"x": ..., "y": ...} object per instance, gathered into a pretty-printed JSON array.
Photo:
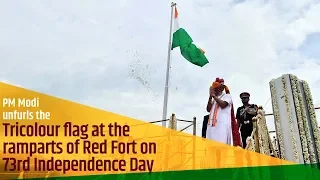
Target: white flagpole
[{"x": 166, "y": 87}]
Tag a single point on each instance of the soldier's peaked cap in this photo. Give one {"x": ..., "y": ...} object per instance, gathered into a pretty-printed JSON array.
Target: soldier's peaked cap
[{"x": 244, "y": 94}]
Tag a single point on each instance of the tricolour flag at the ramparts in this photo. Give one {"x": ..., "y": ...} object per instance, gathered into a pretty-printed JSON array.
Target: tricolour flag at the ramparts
[{"x": 188, "y": 50}]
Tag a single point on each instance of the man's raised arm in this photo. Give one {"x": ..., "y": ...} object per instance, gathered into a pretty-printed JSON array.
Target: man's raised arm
[{"x": 220, "y": 102}]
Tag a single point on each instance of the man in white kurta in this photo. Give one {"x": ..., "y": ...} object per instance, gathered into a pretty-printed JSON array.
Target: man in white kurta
[{"x": 219, "y": 123}]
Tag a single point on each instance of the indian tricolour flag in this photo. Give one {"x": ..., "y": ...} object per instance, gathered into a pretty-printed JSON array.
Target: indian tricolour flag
[{"x": 188, "y": 50}]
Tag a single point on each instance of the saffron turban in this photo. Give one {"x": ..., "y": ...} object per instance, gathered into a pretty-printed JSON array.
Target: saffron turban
[{"x": 217, "y": 83}]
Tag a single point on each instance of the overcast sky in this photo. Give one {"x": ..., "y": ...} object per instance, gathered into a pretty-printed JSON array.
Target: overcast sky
[{"x": 112, "y": 54}]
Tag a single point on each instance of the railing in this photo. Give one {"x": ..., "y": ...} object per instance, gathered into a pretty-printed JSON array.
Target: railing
[
  {"x": 193, "y": 123},
  {"x": 193, "y": 138}
]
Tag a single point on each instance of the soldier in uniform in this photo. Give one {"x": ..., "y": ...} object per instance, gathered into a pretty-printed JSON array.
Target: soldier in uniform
[{"x": 244, "y": 116}]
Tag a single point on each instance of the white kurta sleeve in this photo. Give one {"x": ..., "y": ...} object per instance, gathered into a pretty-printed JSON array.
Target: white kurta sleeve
[{"x": 228, "y": 99}]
